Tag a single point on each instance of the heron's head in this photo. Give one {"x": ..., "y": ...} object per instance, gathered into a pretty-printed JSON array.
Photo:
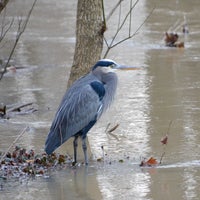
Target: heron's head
[
  {"x": 108, "y": 65},
  {"x": 105, "y": 64}
]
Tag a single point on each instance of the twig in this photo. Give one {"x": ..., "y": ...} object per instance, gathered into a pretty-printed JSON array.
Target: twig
[
  {"x": 170, "y": 123},
  {"x": 19, "y": 107},
  {"x": 21, "y": 29},
  {"x": 120, "y": 11},
  {"x": 19, "y": 136},
  {"x": 161, "y": 157},
  {"x": 123, "y": 22},
  {"x": 164, "y": 141},
  {"x": 171, "y": 28},
  {"x": 4, "y": 26},
  {"x": 111, "y": 130},
  {"x": 4, "y": 32},
  {"x": 107, "y": 127},
  {"x": 113, "y": 10},
  {"x": 130, "y": 19},
  {"x": 112, "y": 45},
  {"x": 137, "y": 30}
]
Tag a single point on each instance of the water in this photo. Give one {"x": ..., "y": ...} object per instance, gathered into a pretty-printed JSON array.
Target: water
[{"x": 164, "y": 89}]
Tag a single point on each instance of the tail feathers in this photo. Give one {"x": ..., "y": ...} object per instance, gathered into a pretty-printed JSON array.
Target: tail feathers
[{"x": 53, "y": 141}]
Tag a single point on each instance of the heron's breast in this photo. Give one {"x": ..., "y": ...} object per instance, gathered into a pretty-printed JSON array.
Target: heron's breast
[{"x": 98, "y": 88}]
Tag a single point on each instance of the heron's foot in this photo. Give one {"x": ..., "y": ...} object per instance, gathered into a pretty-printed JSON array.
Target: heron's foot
[
  {"x": 74, "y": 163},
  {"x": 86, "y": 163}
]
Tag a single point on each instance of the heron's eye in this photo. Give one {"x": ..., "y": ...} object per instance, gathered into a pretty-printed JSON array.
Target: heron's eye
[{"x": 112, "y": 66}]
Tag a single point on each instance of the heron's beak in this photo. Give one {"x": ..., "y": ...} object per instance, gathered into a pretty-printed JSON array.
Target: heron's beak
[{"x": 124, "y": 67}]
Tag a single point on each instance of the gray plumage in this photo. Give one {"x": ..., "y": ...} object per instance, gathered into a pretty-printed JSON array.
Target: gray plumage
[{"x": 82, "y": 105}]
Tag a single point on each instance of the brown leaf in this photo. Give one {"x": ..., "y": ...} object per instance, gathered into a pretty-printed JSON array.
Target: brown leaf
[
  {"x": 164, "y": 140},
  {"x": 151, "y": 162}
]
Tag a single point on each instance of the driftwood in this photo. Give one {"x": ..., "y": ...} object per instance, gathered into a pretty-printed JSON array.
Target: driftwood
[
  {"x": 110, "y": 131},
  {"x": 7, "y": 110}
]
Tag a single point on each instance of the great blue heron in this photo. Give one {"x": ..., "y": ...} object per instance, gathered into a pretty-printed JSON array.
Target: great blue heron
[{"x": 82, "y": 105}]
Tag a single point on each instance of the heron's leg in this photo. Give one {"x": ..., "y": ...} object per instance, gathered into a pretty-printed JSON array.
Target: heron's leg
[
  {"x": 75, "y": 143},
  {"x": 84, "y": 146}
]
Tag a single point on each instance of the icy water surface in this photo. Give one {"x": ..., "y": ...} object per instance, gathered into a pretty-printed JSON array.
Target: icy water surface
[{"x": 164, "y": 89}]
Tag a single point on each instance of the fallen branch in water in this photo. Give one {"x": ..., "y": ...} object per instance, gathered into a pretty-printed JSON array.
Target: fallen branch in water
[
  {"x": 19, "y": 107},
  {"x": 7, "y": 110},
  {"x": 111, "y": 130}
]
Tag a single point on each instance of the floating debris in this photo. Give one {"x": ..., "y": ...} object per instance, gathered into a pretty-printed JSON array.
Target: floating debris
[
  {"x": 171, "y": 40},
  {"x": 9, "y": 110},
  {"x": 164, "y": 140},
  {"x": 151, "y": 162},
  {"x": 21, "y": 162}
]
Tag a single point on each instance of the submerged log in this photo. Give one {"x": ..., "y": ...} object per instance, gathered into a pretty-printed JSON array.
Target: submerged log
[{"x": 7, "y": 110}]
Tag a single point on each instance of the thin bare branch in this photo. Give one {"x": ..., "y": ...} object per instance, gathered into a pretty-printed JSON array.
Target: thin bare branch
[
  {"x": 19, "y": 107},
  {"x": 113, "y": 128},
  {"x": 109, "y": 132},
  {"x": 130, "y": 36},
  {"x": 113, "y": 10},
  {"x": 14, "y": 142},
  {"x": 4, "y": 25},
  {"x": 120, "y": 12},
  {"x": 4, "y": 32},
  {"x": 21, "y": 29},
  {"x": 161, "y": 158},
  {"x": 130, "y": 18},
  {"x": 120, "y": 27},
  {"x": 123, "y": 22},
  {"x": 106, "y": 42},
  {"x": 136, "y": 32},
  {"x": 170, "y": 123}
]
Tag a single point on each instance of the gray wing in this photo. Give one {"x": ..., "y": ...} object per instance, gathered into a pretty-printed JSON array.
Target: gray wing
[
  {"x": 78, "y": 111},
  {"x": 80, "y": 105}
]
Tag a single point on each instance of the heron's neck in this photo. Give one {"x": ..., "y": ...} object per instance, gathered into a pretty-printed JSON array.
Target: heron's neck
[{"x": 110, "y": 83}]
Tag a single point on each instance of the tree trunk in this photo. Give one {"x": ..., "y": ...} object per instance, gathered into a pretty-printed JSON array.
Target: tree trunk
[
  {"x": 89, "y": 37},
  {"x": 89, "y": 44}
]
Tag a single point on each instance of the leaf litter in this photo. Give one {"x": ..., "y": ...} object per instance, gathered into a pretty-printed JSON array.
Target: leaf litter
[{"x": 22, "y": 163}]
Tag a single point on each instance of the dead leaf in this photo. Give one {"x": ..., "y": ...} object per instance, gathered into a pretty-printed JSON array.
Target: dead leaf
[
  {"x": 151, "y": 162},
  {"x": 164, "y": 140}
]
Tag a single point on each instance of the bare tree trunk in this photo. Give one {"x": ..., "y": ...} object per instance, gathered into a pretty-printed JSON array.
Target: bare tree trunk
[
  {"x": 89, "y": 37},
  {"x": 88, "y": 49}
]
